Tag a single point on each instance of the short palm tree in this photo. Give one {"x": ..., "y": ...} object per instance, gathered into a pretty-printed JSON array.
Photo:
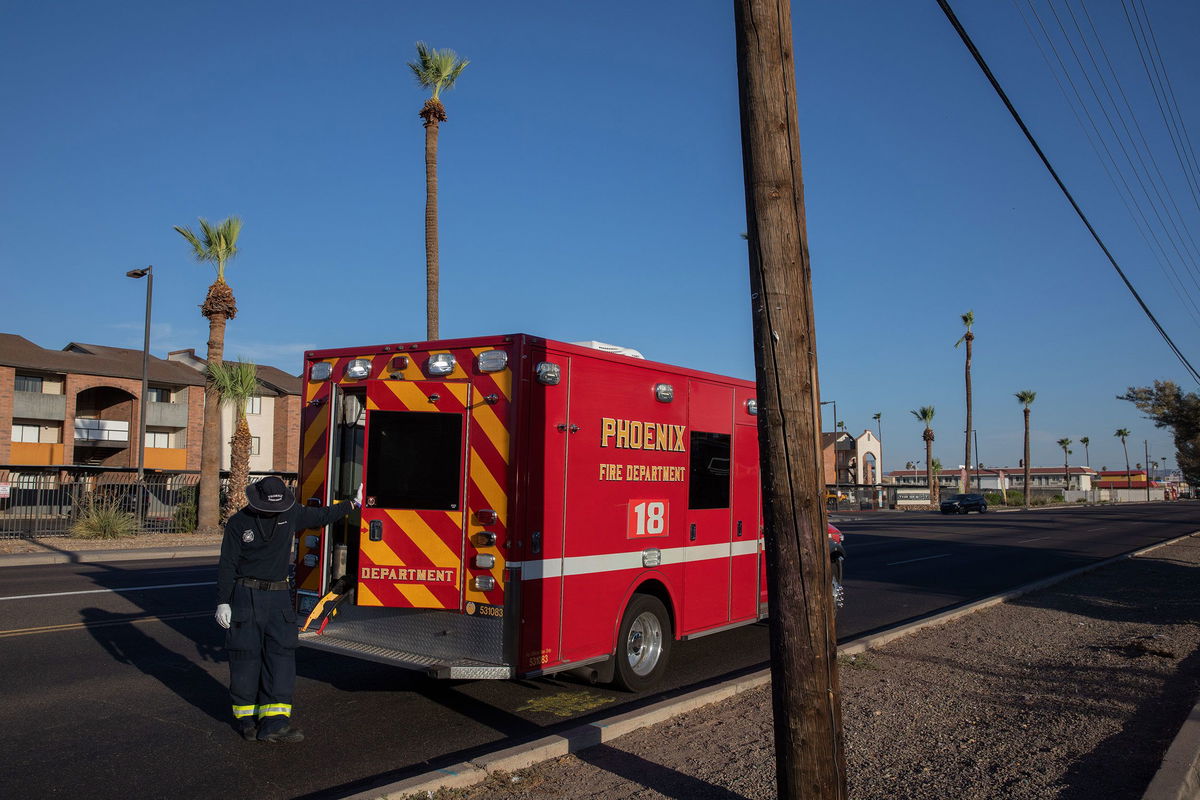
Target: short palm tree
[
  {"x": 1065, "y": 444},
  {"x": 1085, "y": 441},
  {"x": 236, "y": 382},
  {"x": 215, "y": 245},
  {"x": 968, "y": 319},
  {"x": 924, "y": 414},
  {"x": 1123, "y": 434},
  {"x": 1026, "y": 398},
  {"x": 434, "y": 70}
]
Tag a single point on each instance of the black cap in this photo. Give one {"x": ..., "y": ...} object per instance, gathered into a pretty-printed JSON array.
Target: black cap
[{"x": 270, "y": 495}]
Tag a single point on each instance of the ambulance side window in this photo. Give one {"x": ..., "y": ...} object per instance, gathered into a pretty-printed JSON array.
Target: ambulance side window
[{"x": 708, "y": 485}]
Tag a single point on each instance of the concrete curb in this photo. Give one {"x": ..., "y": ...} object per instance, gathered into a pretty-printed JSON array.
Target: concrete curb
[
  {"x": 511, "y": 759},
  {"x": 103, "y": 556},
  {"x": 1180, "y": 772},
  {"x": 1179, "y": 776}
]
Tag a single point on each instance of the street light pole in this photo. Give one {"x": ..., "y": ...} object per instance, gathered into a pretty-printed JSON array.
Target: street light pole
[
  {"x": 837, "y": 483},
  {"x": 148, "y": 274}
]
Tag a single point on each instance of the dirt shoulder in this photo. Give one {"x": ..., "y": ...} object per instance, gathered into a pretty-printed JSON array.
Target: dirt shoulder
[
  {"x": 58, "y": 544},
  {"x": 1074, "y": 692}
]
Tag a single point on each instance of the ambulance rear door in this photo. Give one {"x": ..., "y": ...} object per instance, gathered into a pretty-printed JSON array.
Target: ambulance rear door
[{"x": 411, "y": 538}]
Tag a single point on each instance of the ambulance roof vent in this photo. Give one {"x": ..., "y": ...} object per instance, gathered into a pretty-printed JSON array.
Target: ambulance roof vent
[{"x": 611, "y": 348}]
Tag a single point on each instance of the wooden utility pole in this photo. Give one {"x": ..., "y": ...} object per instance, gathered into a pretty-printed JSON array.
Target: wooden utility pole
[{"x": 809, "y": 755}]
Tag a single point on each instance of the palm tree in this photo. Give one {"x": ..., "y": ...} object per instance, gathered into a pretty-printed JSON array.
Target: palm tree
[
  {"x": 236, "y": 382},
  {"x": 435, "y": 70},
  {"x": 1026, "y": 398},
  {"x": 1083, "y": 440},
  {"x": 216, "y": 245},
  {"x": 1064, "y": 444},
  {"x": 968, "y": 319},
  {"x": 924, "y": 414},
  {"x": 1123, "y": 434}
]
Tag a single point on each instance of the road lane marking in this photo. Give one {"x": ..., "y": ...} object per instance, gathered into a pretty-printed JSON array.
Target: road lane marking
[
  {"x": 107, "y": 591},
  {"x": 1034, "y": 539},
  {"x": 104, "y": 624},
  {"x": 923, "y": 558}
]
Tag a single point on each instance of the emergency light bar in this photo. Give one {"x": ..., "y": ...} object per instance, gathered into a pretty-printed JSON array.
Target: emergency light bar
[{"x": 320, "y": 371}]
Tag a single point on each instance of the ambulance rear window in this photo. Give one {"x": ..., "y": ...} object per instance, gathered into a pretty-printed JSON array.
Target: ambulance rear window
[
  {"x": 414, "y": 460},
  {"x": 709, "y": 473}
]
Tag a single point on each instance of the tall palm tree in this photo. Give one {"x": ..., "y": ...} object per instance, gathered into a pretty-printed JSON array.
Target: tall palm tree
[
  {"x": 1026, "y": 398},
  {"x": 1064, "y": 444},
  {"x": 1123, "y": 434},
  {"x": 968, "y": 319},
  {"x": 924, "y": 414},
  {"x": 1085, "y": 441},
  {"x": 236, "y": 382},
  {"x": 434, "y": 70},
  {"x": 215, "y": 245}
]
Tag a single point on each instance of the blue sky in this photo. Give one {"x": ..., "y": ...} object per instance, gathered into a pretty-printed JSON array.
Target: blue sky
[{"x": 591, "y": 188}]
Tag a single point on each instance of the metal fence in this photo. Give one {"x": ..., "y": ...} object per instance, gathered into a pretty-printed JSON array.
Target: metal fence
[{"x": 46, "y": 501}]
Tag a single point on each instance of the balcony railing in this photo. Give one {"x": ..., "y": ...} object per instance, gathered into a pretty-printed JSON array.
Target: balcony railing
[{"x": 101, "y": 430}]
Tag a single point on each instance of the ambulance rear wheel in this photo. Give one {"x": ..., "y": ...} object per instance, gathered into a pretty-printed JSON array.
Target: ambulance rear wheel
[{"x": 644, "y": 643}]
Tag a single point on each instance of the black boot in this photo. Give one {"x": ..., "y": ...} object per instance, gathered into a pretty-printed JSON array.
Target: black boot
[
  {"x": 285, "y": 734},
  {"x": 247, "y": 728}
]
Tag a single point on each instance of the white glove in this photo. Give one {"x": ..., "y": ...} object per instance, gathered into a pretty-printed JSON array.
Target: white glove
[
  {"x": 224, "y": 614},
  {"x": 358, "y": 498}
]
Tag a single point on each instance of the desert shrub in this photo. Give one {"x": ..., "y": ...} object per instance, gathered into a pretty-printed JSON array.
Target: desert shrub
[
  {"x": 996, "y": 498},
  {"x": 186, "y": 513},
  {"x": 1015, "y": 498},
  {"x": 101, "y": 518}
]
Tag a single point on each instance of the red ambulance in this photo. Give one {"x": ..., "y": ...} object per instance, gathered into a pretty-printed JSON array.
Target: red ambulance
[{"x": 531, "y": 506}]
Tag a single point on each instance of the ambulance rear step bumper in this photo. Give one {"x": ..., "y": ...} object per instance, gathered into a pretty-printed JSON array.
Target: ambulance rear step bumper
[{"x": 462, "y": 669}]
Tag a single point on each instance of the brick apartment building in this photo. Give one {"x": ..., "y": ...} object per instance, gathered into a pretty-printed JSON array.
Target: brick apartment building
[{"x": 81, "y": 405}]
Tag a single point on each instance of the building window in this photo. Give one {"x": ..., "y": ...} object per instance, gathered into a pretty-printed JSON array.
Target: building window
[
  {"x": 158, "y": 395},
  {"x": 158, "y": 439},
  {"x": 26, "y": 433},
  {"x": 254, "y": 405},
  {"x": 255, "y": 444},
  {"x": 28, "y": 383}
]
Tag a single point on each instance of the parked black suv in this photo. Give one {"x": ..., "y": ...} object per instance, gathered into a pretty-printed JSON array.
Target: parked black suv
[{"x": 964, "y": 504}]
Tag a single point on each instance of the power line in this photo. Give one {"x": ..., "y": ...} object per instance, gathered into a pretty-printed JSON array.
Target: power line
[
  {"x": 1192, "y": 269},
  {"x": 962, "y": 33},
  {"x": 1145, "y": 142},
  {"x": 1186, "y": 156},
  {"x": 1093, "y": 135}
]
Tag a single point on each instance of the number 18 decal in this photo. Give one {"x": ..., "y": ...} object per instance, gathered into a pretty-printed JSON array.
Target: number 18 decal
[{"x": 647, "y": 518}]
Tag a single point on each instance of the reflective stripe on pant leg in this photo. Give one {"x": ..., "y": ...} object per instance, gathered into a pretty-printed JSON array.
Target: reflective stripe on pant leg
[
  {"x": 275, "y": 709},
  {"x": 242, "y": 712}
]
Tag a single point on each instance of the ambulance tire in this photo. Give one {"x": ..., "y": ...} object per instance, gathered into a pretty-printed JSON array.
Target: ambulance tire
[{"x": 644, "y": 643}]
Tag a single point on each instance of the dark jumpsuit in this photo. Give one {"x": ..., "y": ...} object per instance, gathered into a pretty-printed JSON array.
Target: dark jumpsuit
[{"x": 262, "y": 636}]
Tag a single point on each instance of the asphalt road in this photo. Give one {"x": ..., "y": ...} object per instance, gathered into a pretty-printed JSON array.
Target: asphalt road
[{"x": 115, "y": 680}]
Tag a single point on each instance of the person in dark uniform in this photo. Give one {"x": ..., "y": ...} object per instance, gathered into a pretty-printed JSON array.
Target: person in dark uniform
[{"x": 254, "y": 602}]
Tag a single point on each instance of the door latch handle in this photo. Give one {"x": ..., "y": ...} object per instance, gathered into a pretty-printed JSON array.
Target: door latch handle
[
  {"x": 692, "y": 532},
  {"x": 375, "y": 533},
  {"x": 739, "y": 528},
  {"x": 565, "y": 428}
]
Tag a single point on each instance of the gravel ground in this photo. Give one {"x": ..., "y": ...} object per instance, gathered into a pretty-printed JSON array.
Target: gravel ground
[{"x": 1074, "y": 692}]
